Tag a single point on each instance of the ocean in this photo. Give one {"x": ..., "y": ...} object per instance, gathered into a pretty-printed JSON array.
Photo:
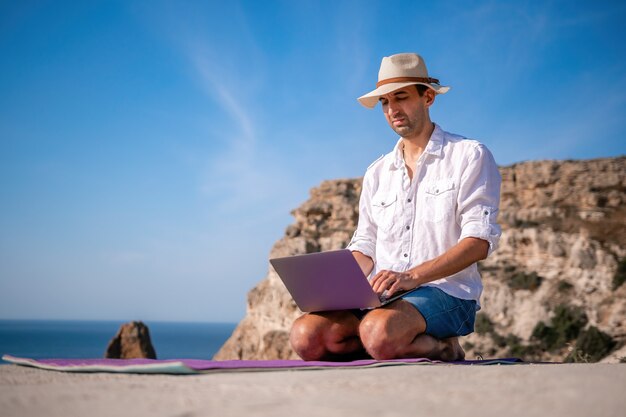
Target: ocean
[{"x": 89, "y": 339}]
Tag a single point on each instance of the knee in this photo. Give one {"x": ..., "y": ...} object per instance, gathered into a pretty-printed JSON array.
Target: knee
[
  {"x": 376, "y": 338},
  {"x": 306, "y": 340}
]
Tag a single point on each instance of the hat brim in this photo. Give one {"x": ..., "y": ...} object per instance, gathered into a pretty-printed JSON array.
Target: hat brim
[{"x": 370, "y": 99}]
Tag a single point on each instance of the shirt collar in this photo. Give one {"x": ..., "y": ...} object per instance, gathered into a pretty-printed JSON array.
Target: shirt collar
[
  {"x": 434, "y": 147},
  {"x": 435, "y": 144},
  {"x": 398, "y": 160}
]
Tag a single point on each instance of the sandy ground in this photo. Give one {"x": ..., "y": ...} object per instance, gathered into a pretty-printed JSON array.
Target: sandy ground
[{"x": 442, "y": 390}]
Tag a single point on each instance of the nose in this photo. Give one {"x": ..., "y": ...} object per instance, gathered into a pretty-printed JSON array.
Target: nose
[{"x": 392, "y": 108}]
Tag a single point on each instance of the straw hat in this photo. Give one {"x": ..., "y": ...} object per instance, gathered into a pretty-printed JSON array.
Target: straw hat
[{"x": 397, "y": 71}]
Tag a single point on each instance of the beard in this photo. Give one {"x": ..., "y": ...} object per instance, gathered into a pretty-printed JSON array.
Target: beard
[
  {"x": 409, "y": 128},
  {"x": 413, "y": 125},
  {"x": 404, "y": 131}
]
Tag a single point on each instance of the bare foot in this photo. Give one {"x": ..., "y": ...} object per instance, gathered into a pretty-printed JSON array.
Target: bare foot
[{"x": 452, "y": 350}]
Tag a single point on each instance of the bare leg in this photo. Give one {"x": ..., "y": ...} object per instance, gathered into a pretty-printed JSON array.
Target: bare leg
[
  {"x": 397, "y": 331},
  {"x": 330, "y": 335}
]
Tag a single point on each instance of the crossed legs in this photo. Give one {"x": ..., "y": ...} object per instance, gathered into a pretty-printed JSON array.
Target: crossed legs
[{"x": 393, "y": 331}]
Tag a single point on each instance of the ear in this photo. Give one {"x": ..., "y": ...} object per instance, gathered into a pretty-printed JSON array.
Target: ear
[{"x": 429, "y": 96}]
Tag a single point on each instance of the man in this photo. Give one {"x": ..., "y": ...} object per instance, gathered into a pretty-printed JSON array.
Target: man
[{"x": 427, "y": 214}]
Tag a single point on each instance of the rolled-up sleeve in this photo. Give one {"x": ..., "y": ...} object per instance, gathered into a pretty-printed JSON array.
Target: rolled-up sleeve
[
  {"x": 364, "y": 238},
  {"x": 479, "y": 198}
]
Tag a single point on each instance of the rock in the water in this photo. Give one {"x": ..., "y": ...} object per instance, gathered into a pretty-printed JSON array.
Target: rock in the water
[
  {"x": 564, "y": 236},
  {"x": 132, "y": 341}
]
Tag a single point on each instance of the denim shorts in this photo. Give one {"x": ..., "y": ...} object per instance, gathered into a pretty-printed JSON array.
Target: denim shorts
[{"x": 445, "y": 315}]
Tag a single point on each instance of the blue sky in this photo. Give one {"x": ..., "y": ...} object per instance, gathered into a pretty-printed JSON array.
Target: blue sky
[{"x": 151, "y": 151}]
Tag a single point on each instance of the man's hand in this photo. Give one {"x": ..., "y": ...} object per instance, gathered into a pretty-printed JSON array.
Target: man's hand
[
  {"x": 392, "y": 282},
  {"x": 455, "y": 259}
]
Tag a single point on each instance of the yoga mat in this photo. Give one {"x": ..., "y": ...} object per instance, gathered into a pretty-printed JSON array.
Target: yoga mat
[{"x": 200, "y": 366}]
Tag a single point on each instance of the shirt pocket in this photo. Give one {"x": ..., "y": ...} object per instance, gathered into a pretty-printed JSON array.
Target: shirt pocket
[
  {"x": 384, "y": 207},
  {"x": 439, "y": 200}
]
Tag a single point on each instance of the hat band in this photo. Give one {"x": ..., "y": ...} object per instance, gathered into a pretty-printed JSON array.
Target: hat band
[{"x": 405, "y": 79}]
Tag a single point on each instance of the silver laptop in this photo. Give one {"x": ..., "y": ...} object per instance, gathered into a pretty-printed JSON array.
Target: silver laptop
[{"x": 326, "y": 281}]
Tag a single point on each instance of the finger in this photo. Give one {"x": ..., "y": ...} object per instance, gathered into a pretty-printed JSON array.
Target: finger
[
  {"x": 378, "y": 278},
  {"x": 382, "y": 282},
  {"x": 385, "y": 283},
  {"x": 395, "y": 287},
  {"x": 379, "y": 283},
  {"x": 402, "y": 284}
]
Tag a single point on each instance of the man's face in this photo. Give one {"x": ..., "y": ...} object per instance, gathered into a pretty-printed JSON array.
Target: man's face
[{"x": 406, "y": 111}]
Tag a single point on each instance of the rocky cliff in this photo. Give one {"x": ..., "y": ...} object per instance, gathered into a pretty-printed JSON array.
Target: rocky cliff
[{"x": 554, "y": 290}]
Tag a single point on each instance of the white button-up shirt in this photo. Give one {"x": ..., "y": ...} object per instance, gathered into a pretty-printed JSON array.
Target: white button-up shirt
[{"x": 454, "y": 194}]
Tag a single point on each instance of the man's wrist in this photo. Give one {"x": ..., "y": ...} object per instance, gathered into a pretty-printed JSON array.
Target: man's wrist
[{"x": 416, "y": 277}]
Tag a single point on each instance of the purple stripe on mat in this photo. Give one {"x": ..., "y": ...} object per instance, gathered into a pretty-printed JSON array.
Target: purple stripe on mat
[{"x": 503, "y": 361}]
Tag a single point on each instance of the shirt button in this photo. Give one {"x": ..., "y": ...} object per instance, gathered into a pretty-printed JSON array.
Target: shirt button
[
  {"x": 406, "y": 255},
  {"x": 436, "y": 191},
  {"x": 408, "y": 227},
  {"x": 486, "y": 213},
  {"x": 409, "y": 200}
]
